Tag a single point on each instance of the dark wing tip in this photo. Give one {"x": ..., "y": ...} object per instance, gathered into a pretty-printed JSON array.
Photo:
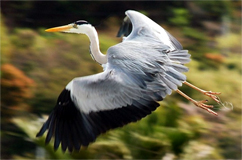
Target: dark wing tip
[
  {"x": 67, "y": 125},
  {"x": 44, "y": 127},
  {"x": 41, "y": 132},
  {"x": 74, "y": 129},
  {"x": 126, "y": 28}
]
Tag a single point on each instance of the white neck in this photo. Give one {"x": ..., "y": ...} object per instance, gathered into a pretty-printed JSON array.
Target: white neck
[{"x": 94, "y": 46}]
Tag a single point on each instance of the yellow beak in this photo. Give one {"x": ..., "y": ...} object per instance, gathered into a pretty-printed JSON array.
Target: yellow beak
[{"x": 59, "y": 29}]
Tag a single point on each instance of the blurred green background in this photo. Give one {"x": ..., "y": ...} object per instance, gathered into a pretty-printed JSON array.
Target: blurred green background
[{"x": 35, "y": 67}]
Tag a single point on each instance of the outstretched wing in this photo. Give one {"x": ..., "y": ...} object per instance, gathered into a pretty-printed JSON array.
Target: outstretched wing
[
  {"x": 143, "y": 29},
  {"x": 91, "y": 105},
  {"x": 73, "y": 126},
  {"x": 168, "y": 52}
]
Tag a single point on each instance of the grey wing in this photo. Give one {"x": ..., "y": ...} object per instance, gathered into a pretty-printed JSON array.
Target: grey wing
[
  {"x": 91, "y": 105},
  {"x": 109, "y": 90},
  {"x": 161, "y": 49},
  {"x": 144, "y": 29},
  {"x": 135, "y": 71},
  {"x": 161, "y": 71}
]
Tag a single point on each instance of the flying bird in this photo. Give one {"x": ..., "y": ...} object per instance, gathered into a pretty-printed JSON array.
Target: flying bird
[{"x": 137, "y": 73}]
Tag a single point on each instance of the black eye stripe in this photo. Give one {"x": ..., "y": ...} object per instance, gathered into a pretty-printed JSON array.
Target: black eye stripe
[{"x": 80, "y": 22}]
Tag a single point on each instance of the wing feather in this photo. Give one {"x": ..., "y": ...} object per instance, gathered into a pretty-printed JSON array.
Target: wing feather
[
  {"x": 143, "y": 28},
  {"x": 74, "y": 128},
  {"x": 105, "y": 94}
]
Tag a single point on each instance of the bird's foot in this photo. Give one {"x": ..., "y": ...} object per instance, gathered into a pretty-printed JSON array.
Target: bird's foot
[
  {"x": 201, "y": 104},
  {"x": 212, "y": 95},
  {"x": 204, "y": 106},
  {"x": 207, "y": 93}
]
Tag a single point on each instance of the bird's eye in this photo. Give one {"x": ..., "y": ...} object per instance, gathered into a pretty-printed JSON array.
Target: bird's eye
[{"x": 80, "y": 22}]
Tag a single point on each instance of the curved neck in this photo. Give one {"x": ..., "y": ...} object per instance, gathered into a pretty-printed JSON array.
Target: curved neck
[{"x": 94, "y": 46}]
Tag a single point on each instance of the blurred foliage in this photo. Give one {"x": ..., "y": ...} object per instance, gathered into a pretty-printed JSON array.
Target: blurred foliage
[
  {"x": 15, "y": 85},
  {"x": 181, "y": 17},
  {"x": 16, "y": 88},
  {"x": 37, "y": 65},
  {"x": 6, "y": 44},
  {"x": 214, "y": 9},
  {"x": 230, "y": 41},
  {"x": 196, "y": 150}
]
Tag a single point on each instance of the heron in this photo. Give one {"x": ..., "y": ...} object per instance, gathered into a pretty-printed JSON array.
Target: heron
[{"x": 137, "y": 73}]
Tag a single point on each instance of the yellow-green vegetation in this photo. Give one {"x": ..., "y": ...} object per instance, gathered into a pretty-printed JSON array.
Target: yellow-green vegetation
[{"x": 46, "y": 62}]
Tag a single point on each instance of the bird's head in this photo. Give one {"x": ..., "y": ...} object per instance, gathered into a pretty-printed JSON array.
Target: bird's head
[{"x": 80, "y": 26}]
